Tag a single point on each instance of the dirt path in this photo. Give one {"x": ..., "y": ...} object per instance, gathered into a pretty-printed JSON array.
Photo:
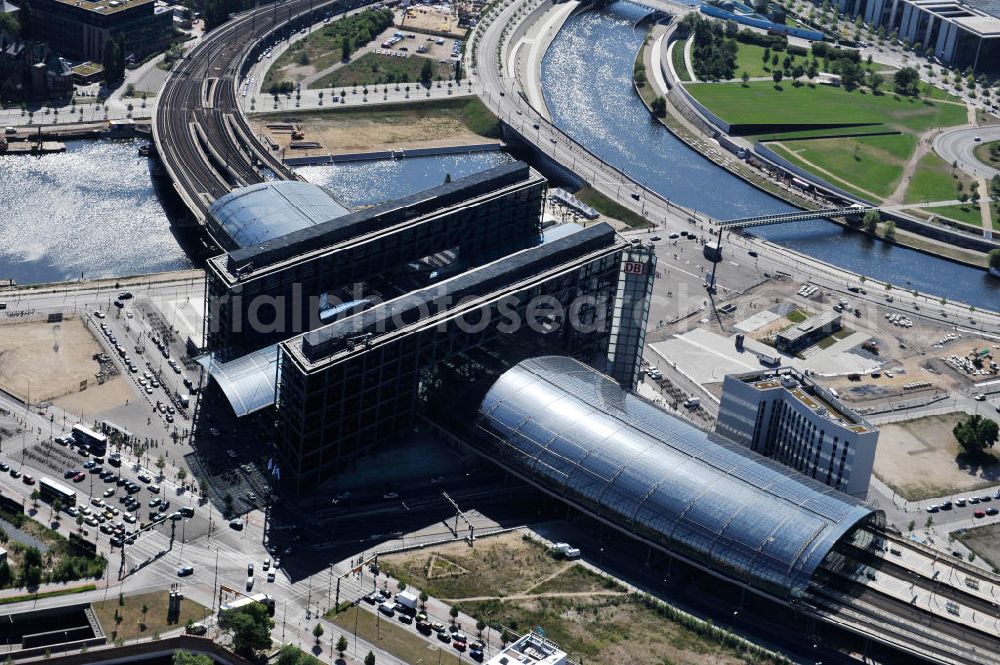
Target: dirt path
[
  {"x": 820, "y": 169},
  {"x": 923, "y": 147},
  {"x": 532, "y": 596},
  {"x": 984, "y": 208},
  {"x": 556, "y": 573}
]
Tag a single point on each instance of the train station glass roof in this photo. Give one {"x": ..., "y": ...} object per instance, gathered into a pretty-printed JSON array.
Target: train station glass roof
[
  {"x": 574, "y": 433},
  {"x": 248, "y": 382},
  {"x": 251, "y": 215}
]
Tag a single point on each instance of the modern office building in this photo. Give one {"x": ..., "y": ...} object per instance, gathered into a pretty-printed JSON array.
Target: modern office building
[
  {"x": 961, "y": 33},
  {"x": 574, "y": 434},
  {"x": 807, "y": 333},
  {"x": 293, "y": 248},
  {"x": 350, "y": 385},
  {"x": 348, "y": 324},
  {"x": 784, "y": 415},
  {"x": 80, "y": 28}
]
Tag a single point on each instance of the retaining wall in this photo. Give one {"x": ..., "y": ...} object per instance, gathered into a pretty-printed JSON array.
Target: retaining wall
[
  {"x": 811, "y": 35},
  {"x": 392, "y": 154}
]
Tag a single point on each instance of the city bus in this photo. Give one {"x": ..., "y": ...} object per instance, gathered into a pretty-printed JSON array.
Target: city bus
[
  {"x": 244, "y": 601},
  {"x": 89, "y": 439},
  {"x": 50, "y": 490}
]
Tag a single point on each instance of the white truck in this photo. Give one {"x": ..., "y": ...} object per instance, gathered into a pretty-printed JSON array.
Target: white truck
[{"x": 406, "y": 602}]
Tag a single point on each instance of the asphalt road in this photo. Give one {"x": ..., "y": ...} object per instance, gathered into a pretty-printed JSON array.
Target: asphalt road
[{"x": 957, "y": 145}]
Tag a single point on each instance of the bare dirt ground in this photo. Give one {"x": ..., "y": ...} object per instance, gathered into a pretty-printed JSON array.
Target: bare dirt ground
[
  {"x": 920, "y": 459},
  {"x": 985, "y": 542},
  {"x": 422, "y": 18},
  {"x": 97, "y": 399},
  {"x": 345, "y": 132},
  {"x": 47, "y": 359}
]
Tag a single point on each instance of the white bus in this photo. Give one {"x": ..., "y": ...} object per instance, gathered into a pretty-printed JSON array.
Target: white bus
[{"x": 244, "y": 601}]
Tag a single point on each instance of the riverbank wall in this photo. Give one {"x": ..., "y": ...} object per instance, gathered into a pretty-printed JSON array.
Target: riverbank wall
[
  {"x": 713, "y": 127},
  {"x": 393, "y": 154}
]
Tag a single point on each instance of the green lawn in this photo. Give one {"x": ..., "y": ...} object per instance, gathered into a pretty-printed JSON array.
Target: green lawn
[
  {"x": 761, "y": 104},
  {"x": 372, "y": 69},
  {"x": 749, "y": 60},
  {"x": 128, "y": 621},
  {"x": 677, "y": 55},
  {"x": 323, "y": 47},
  {"x": 966, "y": 213},
  {"x": 874, "y": 163},
  {"x": 606, "y": 206},
  {"x": 934, "y": 180},
  {"x": 988, "y": 153}
]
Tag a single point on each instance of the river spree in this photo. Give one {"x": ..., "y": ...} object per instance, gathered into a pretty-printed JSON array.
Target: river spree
[
  {"x": 586, "y": 78},
  {"x": 90, "y": 211},
  {"x": 370, "y": 182}
]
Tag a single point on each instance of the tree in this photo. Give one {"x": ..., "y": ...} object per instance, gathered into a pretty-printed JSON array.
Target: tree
[
  {"x": 426, "y": 72},
  {"x": 110, "y": 61},
  {"x": 57, "y": 507},
  {"x": 875, "y": 82},
  {"x": 345, "y": 48},
  {"x": 745, "y": 76},
  {"x": 889, "y": 231},
  {"x": 35, "y": 496},
  {"x": 423, "y": 594},
  {"x": 370, "y": 658},
  {"x": 185, "y": 658},
  {"x": 766, "y": 56},
  {"x": 994, "y": 257},
  {"x": 453, "y": 613},
  {"x": 144, "y": 610},
  {"x": 659, "y": 106},
  {"x": 976, "y": 433},
  {"x": 9, "y": 25},
  {"x": 871, "y": 221},
  {"x": 777, "y": 76},
  {"x": 182, "y": 473},
  {"x": 907, "y": 81},
  {"x": 122, "y": 55},
  {"x": 249, "y": 628},
  {"x": 318, "y": 632},
  {"x": 341, "y": 646}
]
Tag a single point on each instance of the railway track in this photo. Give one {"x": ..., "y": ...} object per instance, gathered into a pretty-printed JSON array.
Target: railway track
[{"x": 201, "y": 134}]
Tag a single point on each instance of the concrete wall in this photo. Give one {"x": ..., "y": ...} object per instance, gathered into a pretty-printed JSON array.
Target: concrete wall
[
  {"x": 776, "y": 159},
  {"x": 764, "y": 24},
  {"x": 393, "y": 154}
]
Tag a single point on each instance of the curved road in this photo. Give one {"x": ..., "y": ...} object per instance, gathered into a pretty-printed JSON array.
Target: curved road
[{"x": 957, "y": 146}]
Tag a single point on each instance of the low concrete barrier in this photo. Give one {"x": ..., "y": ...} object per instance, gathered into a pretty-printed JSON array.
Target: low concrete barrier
[{"x": 304, "y": 160}]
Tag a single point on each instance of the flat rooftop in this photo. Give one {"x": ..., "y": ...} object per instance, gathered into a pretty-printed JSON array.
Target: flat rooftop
[
  {"x": 342, "y": 337},
  {"x": 463, "y": 191},
  {"x": 808, "y": 394},
  {"x": 530, "y": 649},
  {"x": 823, "y": 320},
  {"x": 106, "y": 6}
]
